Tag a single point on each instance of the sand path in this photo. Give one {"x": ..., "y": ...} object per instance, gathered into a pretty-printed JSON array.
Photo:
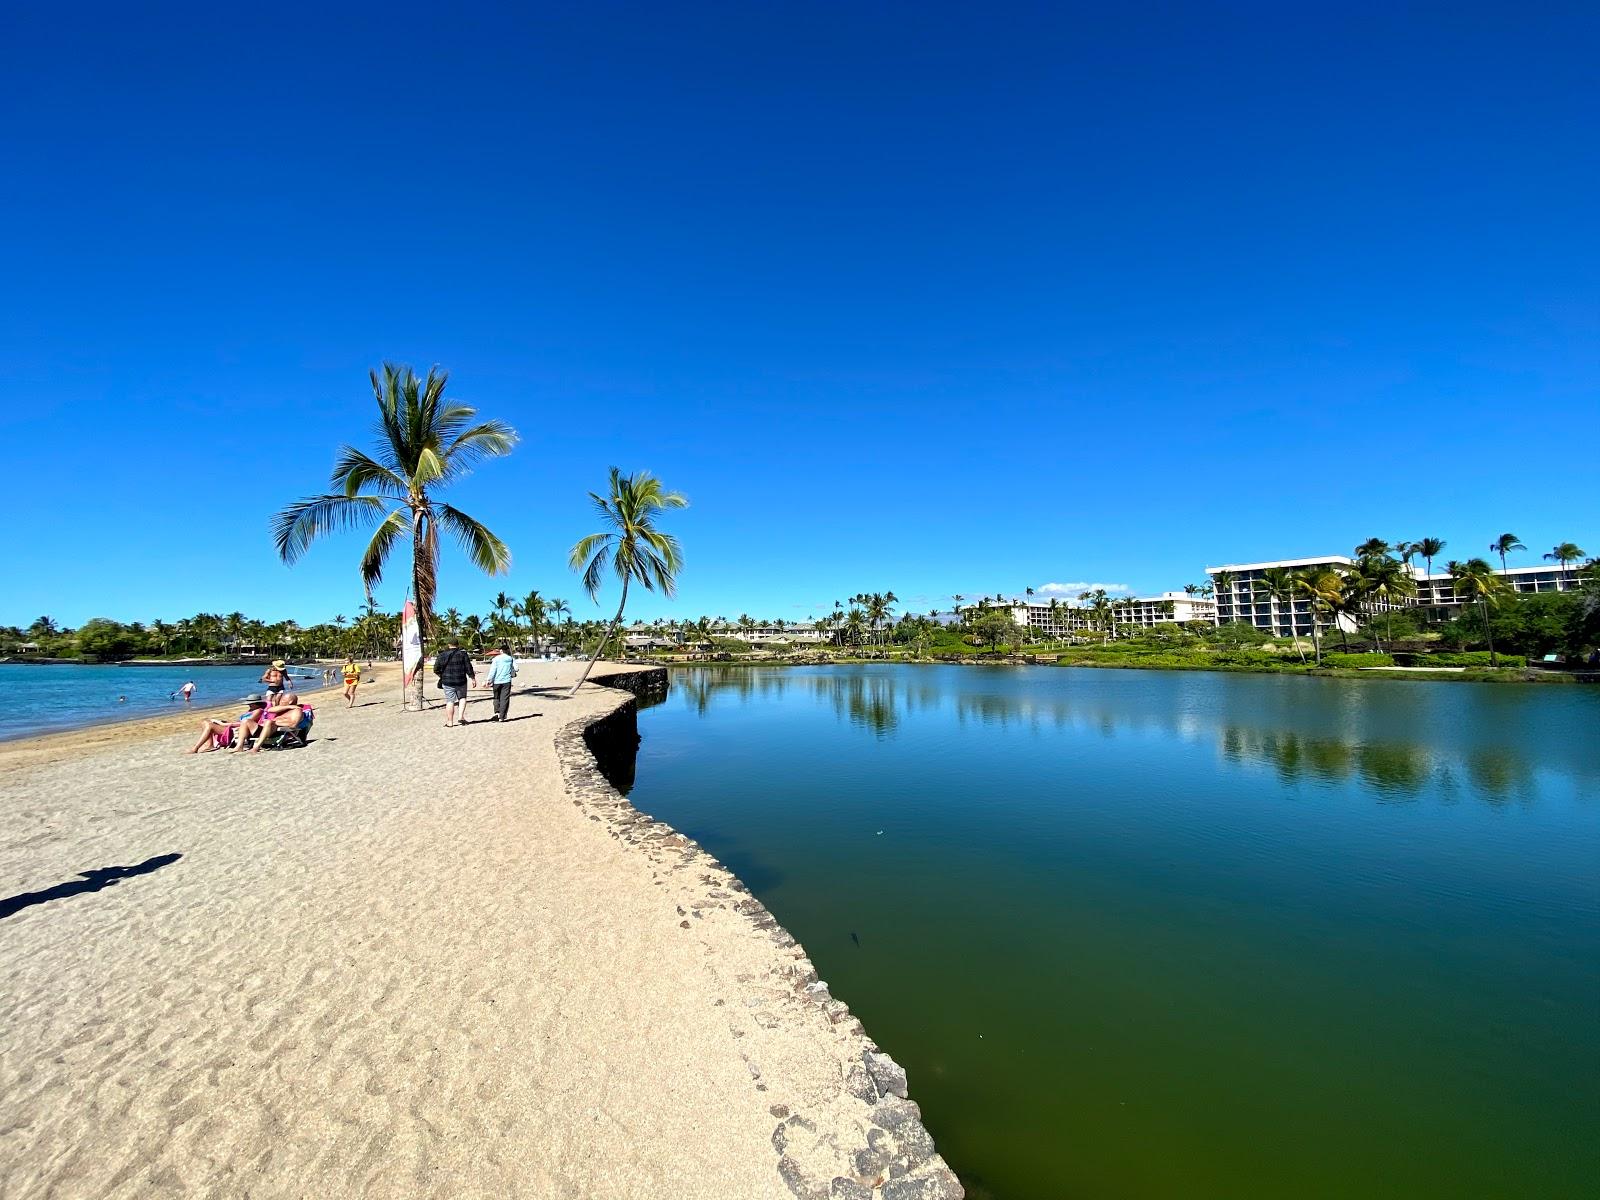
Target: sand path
[{"x": 400, "y": 962}]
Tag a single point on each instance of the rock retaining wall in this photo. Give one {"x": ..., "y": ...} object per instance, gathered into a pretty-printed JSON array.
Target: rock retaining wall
[{"x": 866, "y": 1142}]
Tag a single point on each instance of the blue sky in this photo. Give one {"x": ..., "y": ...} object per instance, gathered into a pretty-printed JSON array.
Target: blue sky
[{"x": 930, "y": 298}]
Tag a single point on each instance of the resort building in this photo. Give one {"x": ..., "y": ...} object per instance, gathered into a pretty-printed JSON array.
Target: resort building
[
  {"x": 1437, "y": 590},
  {"x": 1146, "y": 611},
  {"x": 1238, "y": 595},
  {"x": 1239, "y": 598},
  {"x": 1063, "y": 618}
]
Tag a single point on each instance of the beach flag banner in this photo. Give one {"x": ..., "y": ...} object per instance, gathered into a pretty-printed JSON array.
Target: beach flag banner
[{"x": 410, "y": 642}]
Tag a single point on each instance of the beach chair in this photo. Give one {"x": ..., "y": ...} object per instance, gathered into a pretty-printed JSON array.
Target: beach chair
[{"x": 292, "y": 739}]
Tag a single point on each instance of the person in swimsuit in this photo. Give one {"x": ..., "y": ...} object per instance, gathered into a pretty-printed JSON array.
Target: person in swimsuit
[
  {"x": 188, "y": 691},
  {"x": 273, "y": 677},
  {"x": 215, "y": 734},
  {"x": 352, "y": 680}
]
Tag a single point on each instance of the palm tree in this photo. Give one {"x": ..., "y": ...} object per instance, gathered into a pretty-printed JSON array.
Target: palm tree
[
  {"x": 556, "y": 610},
  {"x": 1406, "y": 550},
  {"x": 1324, "y": 590},
  {"x": 635, "y": 548},
  {"x": 428, "y": 443},
  {"x": 1386, "y": 581},
  {"x": 1372, "y": 548},
  {"x": 1564, "y": 553},
  {"x": 534, "y": 607},
  {"x": 1278, "y": 585},
  {"x": 1475, "y": 580},
  {"x": 1504, "y": 545},
  {"x": 1430, "y": 548}
]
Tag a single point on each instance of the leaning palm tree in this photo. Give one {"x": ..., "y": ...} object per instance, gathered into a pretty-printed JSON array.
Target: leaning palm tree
[
  {"x": 1565, "y": 553},
  {"x": 427, "y": 443},
  {"x": 1504, "y": 545},
  {"x": 631, "y": 544}
]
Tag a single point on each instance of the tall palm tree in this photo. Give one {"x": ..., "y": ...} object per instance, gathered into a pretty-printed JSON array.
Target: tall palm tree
[
  {"x": 1387, "y": 583},
  {"x": 1475, "y": 581},
  {"x": 428, "y": 442},
  {"x": 534, "y": 607},
  {"x": 1324, "y": 590},
  {"x": 557, "y": 610},
  {"x": 1278, "y": 585},
  {"x": 1504, "y": 545},
  {"x": 632, "y": 545},
  {"x": 1430, "y": 548},
  {"x": 1564, "y": 553},
  {"x": 1372, "y": 548}
]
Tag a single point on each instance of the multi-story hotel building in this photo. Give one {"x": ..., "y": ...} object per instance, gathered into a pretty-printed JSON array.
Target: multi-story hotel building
[
  {"x": 1239, "y": 597},
  {"x": 1437, "y": 590},
  {"x": 1237, "y": 591},
  {"x": 1063, "y": 618}
]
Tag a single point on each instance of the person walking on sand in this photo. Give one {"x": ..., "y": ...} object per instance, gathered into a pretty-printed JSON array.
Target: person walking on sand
[
  {"x": 454, "y": 669},
  {"x": 273, "y": 677},
  {"x": 188, "y": 691},
  {"x": 502, "y": 670},
  {"x": 352, "y": 680}
]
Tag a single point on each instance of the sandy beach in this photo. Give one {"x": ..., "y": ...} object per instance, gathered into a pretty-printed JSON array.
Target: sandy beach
[{"x": 408, "y": 961}]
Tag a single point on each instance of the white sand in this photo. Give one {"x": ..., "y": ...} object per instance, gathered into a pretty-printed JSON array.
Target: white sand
[{"x": 404, "y": 962}]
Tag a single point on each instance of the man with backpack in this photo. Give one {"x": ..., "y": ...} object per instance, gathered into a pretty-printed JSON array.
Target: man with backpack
[{"x": 456, "y": 675}]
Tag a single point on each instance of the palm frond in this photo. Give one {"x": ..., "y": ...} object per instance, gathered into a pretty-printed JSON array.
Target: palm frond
[
  {"x": 354, "y": 470},
  {"x": 301, "y": 523},
  {"x": 487, "y": 552},
  {"x": 487, "y": 439},
  {"x": 383, "y": 540}
]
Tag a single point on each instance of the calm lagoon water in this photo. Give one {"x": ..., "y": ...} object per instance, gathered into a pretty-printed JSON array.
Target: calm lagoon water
[
  {"x": 36, "y": 698},
  {"x": 1144, "y": 934}
]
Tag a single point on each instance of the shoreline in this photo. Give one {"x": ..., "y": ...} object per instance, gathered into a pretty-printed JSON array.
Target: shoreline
[
  {"x": 1419, "y": 674},
  {"x": 491, "y": 976},
  {"x": 118, "y": 726}
]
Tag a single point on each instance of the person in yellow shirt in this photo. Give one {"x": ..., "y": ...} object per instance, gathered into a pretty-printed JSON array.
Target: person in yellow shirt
[{"x": 352, "y": 680}]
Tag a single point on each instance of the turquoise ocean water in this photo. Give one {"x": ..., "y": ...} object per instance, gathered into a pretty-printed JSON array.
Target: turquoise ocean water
[{"x": 43, "y": 698}]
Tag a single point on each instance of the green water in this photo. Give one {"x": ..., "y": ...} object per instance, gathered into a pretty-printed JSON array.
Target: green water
[{"x": 1150, "y": 934}]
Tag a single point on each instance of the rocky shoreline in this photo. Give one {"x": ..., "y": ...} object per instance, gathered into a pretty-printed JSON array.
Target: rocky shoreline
[{"x": 869, "y": 1141}]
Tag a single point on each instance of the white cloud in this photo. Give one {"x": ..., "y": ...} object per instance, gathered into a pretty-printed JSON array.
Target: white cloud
[{"x": 1072, "y": 589}]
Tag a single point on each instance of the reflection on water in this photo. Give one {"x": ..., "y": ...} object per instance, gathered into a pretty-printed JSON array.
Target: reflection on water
[
  {"x": 1329, "y": 733},
  {"x": 1151, "y": 934}
]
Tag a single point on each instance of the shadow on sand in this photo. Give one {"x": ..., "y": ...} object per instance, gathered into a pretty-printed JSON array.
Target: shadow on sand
[{"x": 91, "y": 881}]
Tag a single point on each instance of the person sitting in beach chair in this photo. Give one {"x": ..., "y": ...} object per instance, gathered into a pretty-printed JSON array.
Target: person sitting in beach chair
[
  {"x": 218, "y": 734},
  {"x": 287, "y": 722}
]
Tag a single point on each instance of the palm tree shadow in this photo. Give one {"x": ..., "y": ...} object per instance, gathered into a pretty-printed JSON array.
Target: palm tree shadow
[{"x": 90, "y": 881}]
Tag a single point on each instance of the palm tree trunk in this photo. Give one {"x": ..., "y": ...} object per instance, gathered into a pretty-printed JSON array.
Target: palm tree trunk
[
  {"x": 1316, "y": 639},
  {"x": 1489, "y": 633},
  {"x": 422, "y": 579},
  {"x": 601, "y": 645}
]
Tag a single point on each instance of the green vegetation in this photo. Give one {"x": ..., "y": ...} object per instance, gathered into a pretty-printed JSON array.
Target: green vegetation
[
  {"x": 428, "y": 442},
  {"x": 1335, "y": 658},
  {"x": 635, "y": 548}
]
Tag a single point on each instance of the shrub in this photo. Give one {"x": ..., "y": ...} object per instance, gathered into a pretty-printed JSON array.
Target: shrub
[
  {"x": 1469, "y": 658},
  {"x": 1337, "y": 658}
]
